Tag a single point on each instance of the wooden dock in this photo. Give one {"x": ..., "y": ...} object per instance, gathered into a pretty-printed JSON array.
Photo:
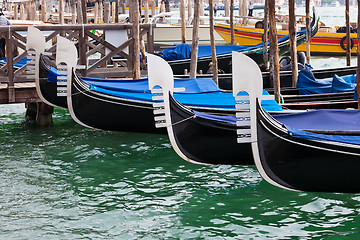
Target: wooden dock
[{"x": 90, "y": 39}]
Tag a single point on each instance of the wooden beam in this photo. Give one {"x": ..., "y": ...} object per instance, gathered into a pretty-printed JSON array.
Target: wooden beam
[
  {"x": 292, "y": 38},
  {"x": 195, "y": 40},
  {"x": 212, "y": 42},
  {"x": 274, "y": 51},
  {"x": 348, "y": 41}
]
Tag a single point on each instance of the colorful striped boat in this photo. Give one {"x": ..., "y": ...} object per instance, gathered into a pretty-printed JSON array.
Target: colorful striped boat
[{"x": 326, "y": 42}]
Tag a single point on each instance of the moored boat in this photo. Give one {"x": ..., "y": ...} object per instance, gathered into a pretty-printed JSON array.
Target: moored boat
[
  {"x": 126, "y": 105},
  {"x": 311, "y": 151},
  {"x": 327, "y": 41},
  {"x": 181, "y": 62}
]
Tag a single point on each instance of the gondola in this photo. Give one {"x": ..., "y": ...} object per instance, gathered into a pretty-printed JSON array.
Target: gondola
[
  {"x": 48, "y": 89},
  {"x": 224, "y": 52},
  {"x": 120, "y": 107},
  {"x": 316, "y": 151}
]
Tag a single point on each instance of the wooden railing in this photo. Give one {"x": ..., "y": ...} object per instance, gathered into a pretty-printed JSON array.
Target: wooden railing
[{"x": 89, "y": 39}]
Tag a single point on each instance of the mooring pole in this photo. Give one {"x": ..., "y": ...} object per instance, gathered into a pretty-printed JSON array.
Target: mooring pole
[
  {"x": 195, "y": 40},
  {"x": 265, "y": 38},
  {"x": 274, "y": 52},
  {"x": 307, "y": 10},
  {"x": 348, "y": 43},
  {"x": 136, "y": 36},
  {"x": 232, "y": 41},
  {"x": 183, "y": 21},
  {"x": 212, "y": 42},
  {"x": 292, "y": 38},
  {"x": 358, "y": 56}
]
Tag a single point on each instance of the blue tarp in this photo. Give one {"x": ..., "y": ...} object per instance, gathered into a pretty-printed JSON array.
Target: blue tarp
[
  {"x": 308, "y": 84},
  {"x": 18, "y": 64},
  {"x": 326, "y": 120},
  {"x": 217, "y": 99},
  {"x": 183, "y": 51},
  {"x": 321, "y": 120}
]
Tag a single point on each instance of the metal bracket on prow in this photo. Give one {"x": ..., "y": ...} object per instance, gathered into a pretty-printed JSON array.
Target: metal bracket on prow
[
  {"x": 246, "y": 78},
  {"x": 159, "y": 106},
  {"x": 35, "y": 45},
  {"x": 66, "y": 60}
]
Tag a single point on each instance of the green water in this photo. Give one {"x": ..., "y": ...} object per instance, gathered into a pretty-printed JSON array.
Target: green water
[{"x": 69, "y": 182}]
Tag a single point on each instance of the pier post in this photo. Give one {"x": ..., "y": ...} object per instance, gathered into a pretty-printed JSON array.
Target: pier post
[
  {"x": 348, "y": 41},
  {"x": 307, "y": 10},
  {"x": 61, "y": 11},
  {"x": 232, "y": 41},
  {"x": 43, "y": 11},
  {"x": 153, "y": 8},
  {"x": 107, "y": 12},
  {"x": 73, "y": 14},
  {"x": 10, "y": 72},
  {"x": 16, "y": 15},
  {"x": 212, "y": 42},
  {"x": 227, "y": 8},
  {"x": 358, "y": 56},
  {"x": 96, "y": 12},
  {"x": 183, "y": 24},
  {"x": 274, "y": 51},
  {"x": 189, "y": 7},
  {"x": 201, "y": 11},
  {"x": 22, "y": 12},
  {"x": 292, "y": 38},
  {"x": 39, "y": 113},
  {"x": 146, "y": 11},
  {"x": 135, "y": 33},
  {"x": 195, "y": 40},
  {"x": 265, "y": 36}
]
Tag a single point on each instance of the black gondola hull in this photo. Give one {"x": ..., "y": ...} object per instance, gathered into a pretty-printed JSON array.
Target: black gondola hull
[
  {"x": 205, "y": 141},
  {"x": 306, "y": 165}
]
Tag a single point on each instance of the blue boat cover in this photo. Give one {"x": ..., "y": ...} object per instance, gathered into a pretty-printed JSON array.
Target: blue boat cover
[
  {"x": 183, "y": 51},
  {"x": 326, "y": 120},
  {"x": 218, "y": 99},
  {"x": 298, "y": 123},
  {"x": 192, "y": 85},
  {"x": 308, "y": 84},
  {"x": 18, "y": 64}
]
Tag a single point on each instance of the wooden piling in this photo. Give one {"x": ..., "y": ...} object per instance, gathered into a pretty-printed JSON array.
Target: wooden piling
[
  {"x": 16, "y": 14},
  {"x": 73, "y": 14},
  {"x": 116, "y": 20},
  {"x": 162, "y": 7},
  {"x": 358, "y": 56},
  {"x": 189, "y": 7},
  {"x": 265, "y": 36},
  {"x": 22, "y": 12},
  {"x": 212, "y": 42},
  {"x": 146, "y": 11},
  {"x": 227, "y": 8},
  {"x": 135, "y": 32},
  {"x": 96, "y": 12},
  {"x": 307, "y": 12},
  {"x": 83, "y": 11},
  {"x": 348, "y": 40},
  {"x": 274, "y": 51},
  {"x": 153, "y": 8},
  {"x": 195, "y": 40},
  {"x": 101, "y": 13},
  {"x": 61, "y": 11},
  {"x": 232, "y": 41},
  {"x": 292, "y": 38},
  {"x": 201, "y": 11},
  {"x": 43, "y": 11},
  {"x": 183, "y": 22},
  {"x": 106, "y": 12}
]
